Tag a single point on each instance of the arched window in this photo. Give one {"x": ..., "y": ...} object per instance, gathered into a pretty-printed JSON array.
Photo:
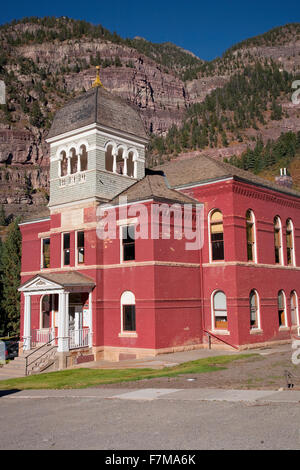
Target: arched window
[
  {"x": 294, "y": 309},
  {"x": 128, "y": 322},
  {"x": 250, "y": 232},
  {"x": 282, "y": 309},
  {"x": 73, "y": 161},
  {"x": 64, "y": 164},
  {"x": 290, "y": 242},
  {"x": 120, "y": 161},
  {"x": 45, "y": 312},
  {"x": 217, "y": 236},
  {"x": 220, "y": 310},
  {"x": 83, "y": 156},
  {"x": 278, "y": 240},
  {"x": 130, "y": 165},
  {"x": 254, "y": 310},
  {"x": 109, "y": 158}
]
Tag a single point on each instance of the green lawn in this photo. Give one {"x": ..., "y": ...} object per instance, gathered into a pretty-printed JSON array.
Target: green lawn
[{"x": 82, "y": 378}]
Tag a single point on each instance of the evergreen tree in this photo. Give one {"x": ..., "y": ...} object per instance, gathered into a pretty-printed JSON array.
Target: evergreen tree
[
  {"x": 10, "y": 278},
  {"x": 2, "y": 216}
]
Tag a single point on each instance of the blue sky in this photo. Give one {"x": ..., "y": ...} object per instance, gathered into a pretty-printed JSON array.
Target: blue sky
[{"x": 205, "y": 28}]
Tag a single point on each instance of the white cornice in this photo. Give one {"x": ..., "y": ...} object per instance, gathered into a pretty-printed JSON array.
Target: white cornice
[{"x": 88, "y": 130}]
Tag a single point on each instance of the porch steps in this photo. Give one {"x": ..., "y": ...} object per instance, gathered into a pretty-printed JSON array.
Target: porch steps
[
  {"x": 38, "y": 361},
  {"x": 14, "y": 369}
]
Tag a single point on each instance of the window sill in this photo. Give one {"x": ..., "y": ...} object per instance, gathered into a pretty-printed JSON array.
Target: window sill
[
  {"x": 128, "y": 334},
  {"x": 284, "y": 328},
  {"x": 256, "y": 331},
  {"x": 220, "y": 332}
]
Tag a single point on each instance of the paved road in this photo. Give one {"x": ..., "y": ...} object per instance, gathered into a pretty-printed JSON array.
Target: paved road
[{"x": 114, "y": 419}]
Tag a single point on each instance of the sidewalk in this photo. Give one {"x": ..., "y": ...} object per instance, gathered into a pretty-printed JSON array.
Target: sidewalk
[{"x": 149, "y": 394}]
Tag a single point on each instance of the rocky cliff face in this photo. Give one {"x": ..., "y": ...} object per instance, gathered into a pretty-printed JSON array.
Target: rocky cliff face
[{"x": 49, "y": 73}]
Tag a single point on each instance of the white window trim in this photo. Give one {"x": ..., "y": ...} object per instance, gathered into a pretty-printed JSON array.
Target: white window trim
[
  {"x": 293, "y": 241},
  {"x": 42, "y": 254},
  {"x": 281, "y": 263},
  {"x": 286, "y": 325},
  {"x": 297, "y": 310},
  {"x": 213, "y": 328},
  {"x": 77, "y": 265},
  {"x": 121, "y": 224},
  {"x": 255, "y": 236},
  {"x": 209, "y": 238},
  {"x": 258, "y": 329},
  {"x": 130, "y": 300},
  {"x": 62, "y": 250}
]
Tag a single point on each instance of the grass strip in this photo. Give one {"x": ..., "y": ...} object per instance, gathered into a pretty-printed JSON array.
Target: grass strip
[{"x": 83, "y": 378}]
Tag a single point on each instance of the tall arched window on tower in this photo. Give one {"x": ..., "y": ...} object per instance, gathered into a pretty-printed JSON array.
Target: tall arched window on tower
[
  {"x": 83, "y": 158},
  {"x": 290, "y": 243},
  {"x": 64, "y": 164},
  {"x": 109, "y": 159},
  {"x": 251, "y": 239},
  {"x": 282, "y": 309},
  {"x": 216, "y": 236},
  {"x": 73, "y": 161},
  {"x": 278, "y": 240},
  {"x": 254, "y": 310},
  {"x": 220, "y": 311},
  {"x": 130, "y": 165}
]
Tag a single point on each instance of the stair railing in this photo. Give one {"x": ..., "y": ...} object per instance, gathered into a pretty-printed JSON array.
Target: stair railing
[
  {"x": 27, "y": 364},
  {"x": 210, "y": 334}
]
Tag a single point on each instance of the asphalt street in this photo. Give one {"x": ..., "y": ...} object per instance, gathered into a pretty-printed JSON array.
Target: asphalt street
[{"x": 152, "y": 419}]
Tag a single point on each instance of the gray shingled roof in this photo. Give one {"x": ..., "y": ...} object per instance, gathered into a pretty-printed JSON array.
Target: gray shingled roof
[
  {"x": 153, "y": 186},
  {"x": 99, "y": 106},
  {"x": 203, "y": 168}
]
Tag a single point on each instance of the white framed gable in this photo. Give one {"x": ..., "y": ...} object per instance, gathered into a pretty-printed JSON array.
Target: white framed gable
[{"x": 40, "y": 285}]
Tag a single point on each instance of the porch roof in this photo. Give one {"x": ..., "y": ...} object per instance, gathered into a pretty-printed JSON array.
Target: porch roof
[{"x": 63, "y": 280}]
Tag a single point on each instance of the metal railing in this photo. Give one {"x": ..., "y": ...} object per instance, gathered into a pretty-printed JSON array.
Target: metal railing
[
  {"x": 43, "y": 335},
  {"x": 37, "y": 358},
  {"x": 79, "y": 338},
  {"x": 210, "y": 335}
]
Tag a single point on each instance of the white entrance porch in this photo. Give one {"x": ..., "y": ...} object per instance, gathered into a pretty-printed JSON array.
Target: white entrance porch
[{"x": 68, "y": 324}]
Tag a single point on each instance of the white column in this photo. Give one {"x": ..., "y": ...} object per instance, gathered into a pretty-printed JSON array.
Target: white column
[
  {"x": 69, "y": 165},
  {"x": 125, "y": 156},
  {"x": 114, "y": 161},
  {"x": 90, "y": 320},
  {"x": 59, "y": 169},
  {"x": 27, "y": 323},
  {"x": 79, "y": 163},
  {"x": 63, "y": 322},
  {"x": 135, "y": 169}
]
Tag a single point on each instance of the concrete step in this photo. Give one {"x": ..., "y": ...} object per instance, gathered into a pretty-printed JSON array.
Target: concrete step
[{"x": 12, "y": 373}]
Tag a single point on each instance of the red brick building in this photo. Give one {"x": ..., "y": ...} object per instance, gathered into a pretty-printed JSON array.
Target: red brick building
[{"x": 139, "y": 296}]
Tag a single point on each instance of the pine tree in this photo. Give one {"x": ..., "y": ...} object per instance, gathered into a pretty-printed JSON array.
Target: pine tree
[
  {"x": 2, "y": 216},
  {"x": 10, "y": 278}
]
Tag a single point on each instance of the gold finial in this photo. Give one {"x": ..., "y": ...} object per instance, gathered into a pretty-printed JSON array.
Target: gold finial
[{"x": 97, "y": 81}]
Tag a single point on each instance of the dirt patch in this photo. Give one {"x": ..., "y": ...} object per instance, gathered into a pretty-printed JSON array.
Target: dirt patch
[{"x": 265, "y": 372}]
